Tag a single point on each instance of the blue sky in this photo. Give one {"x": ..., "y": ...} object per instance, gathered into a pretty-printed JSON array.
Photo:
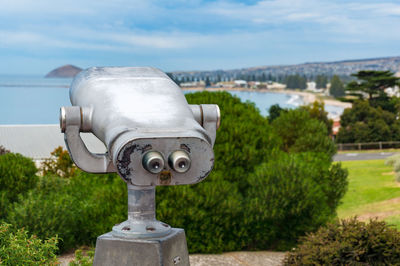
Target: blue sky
[{"x": 37, "y": 36}]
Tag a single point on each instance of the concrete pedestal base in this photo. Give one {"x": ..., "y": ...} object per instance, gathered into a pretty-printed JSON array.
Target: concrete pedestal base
[{"x": 162, "y": 251}]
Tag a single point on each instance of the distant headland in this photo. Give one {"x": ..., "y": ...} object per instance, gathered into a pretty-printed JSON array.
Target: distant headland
[{"x": 67, "y": 71}]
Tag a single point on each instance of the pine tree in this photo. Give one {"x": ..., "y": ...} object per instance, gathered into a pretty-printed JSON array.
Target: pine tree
[{"x": 337, "y": 88}]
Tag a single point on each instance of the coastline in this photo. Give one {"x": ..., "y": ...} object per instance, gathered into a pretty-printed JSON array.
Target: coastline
[{"x": 308, "y": 97}]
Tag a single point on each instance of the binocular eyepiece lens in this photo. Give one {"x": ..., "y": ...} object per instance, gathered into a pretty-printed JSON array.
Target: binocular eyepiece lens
[
  {"x": 179, "y": 161},
  {"x": 153, "y": 162}
]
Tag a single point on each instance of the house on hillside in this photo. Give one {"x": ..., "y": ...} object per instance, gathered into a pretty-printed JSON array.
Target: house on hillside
[
  {"x": 225, "y": 84},
  {"x": 239, "y": 83}
]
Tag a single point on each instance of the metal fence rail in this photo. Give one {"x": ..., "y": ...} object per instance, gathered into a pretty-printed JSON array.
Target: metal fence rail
[{"x": 369, "y": 145}]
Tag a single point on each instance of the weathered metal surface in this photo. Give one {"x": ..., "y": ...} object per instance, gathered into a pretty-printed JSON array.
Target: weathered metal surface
[
  {"x": 134, "y": 110},
  {"x": 170, "y": 250},
  {"x": 143, "y": 119},
  {"x": 83, "y": 158},
  {"x": 141, "y": 221}
]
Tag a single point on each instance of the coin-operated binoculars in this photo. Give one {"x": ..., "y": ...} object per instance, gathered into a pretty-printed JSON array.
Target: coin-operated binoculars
[{"x": 153, "y": 138}]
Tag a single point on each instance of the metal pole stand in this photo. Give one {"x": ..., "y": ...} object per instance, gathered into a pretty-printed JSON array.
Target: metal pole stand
[{"x": 142, "y": 240}]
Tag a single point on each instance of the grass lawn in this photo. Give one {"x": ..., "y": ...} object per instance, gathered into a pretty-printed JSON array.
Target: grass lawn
[{"x": 372, "y": 192}]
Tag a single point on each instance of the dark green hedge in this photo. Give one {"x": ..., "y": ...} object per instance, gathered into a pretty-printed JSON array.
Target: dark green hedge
[
  {"x": 77, "y": 209},
  {"x": 17, "y": 176},
  {"x": 349, "y": 242}
]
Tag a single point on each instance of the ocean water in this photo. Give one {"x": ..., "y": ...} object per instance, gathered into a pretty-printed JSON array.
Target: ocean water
[{"x": 37, "y": 100}]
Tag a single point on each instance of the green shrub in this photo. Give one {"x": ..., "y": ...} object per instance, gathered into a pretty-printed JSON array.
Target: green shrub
[
  {"x": 290, "y": 195},
  {"x": 245, "y": 138},
  {"x": 300, "y": 132},
  {"x": 365, "y": 123},
  {"x": 60, "y": 163},
  {"x": 17, "y": 176},
  {"x": 77, "y": 209},
  {"x": 83, "y": 258},
  {"x": 17, "y": 248},
  {"x": 349, "y": 242},
  {"x": 210, "y": 212}
]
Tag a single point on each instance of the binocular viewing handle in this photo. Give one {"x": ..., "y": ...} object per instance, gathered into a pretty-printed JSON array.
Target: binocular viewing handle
[
  {"x": 208, "y": 116},
  {"x": 73, "y": 120}
]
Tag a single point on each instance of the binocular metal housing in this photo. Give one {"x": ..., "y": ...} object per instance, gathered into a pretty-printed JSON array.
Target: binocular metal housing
[{"x": 152, "y": 135}]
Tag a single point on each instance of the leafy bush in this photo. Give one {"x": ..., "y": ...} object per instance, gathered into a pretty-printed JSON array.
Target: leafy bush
[
  {"x": 77, "y": 209},
  {"x": 364, "y": 123},
  {"x": 244, "y": 140},
  {"x": 83, "y": 258},
  {"x": 300, "y": 133},
  {"x": 290, "y": 195},
  {"x": 60, "y": 163},
  {"x": 349, "y": 242},
  {"x": 317, "y": 111},
  {"x": 17, "y": 248},
  {"x": 17, "y": 176}
]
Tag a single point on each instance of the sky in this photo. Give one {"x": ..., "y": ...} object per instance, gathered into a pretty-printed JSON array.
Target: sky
[{"x": 37, "y": 36}]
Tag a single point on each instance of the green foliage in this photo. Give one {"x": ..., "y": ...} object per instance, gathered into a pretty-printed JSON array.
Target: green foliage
[
  {"x": 299, "y": 133},
  {"x": 337, "y": 87},
  {"x": 17, "y": 176},
  {"x": 373, "y": 83},
  {"x": 60, "y": 163},
  {"x": 364, "y": 123},
  {"x": 275, "y": 111},
  {"x": 317, "y": 111},
  {"x": 296, "y": 82},
  {"x": 349, "y": 242},
  {"x": 17, "y": 248},
  {"x": 83, "y": 258},
  {"x": 290, "y": 195},
  {"x": 244, "y": 139},
  {"x": 77, "y": 209},
  {"x": 211, "y": 213},
  {"x": 321, "y": 81}
]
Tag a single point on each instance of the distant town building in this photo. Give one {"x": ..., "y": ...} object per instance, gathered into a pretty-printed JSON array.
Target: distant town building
[
  {"x": 240, "y": 83},
  {"x": 393, "y": 92},
  {"x": 194, "y": 84},
  {"x": 276, "y": 86},
  {"x": 225, "y": 84}
]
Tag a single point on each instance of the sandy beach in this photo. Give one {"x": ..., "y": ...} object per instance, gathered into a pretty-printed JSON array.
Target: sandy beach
[{"x": 307, "y": 97}]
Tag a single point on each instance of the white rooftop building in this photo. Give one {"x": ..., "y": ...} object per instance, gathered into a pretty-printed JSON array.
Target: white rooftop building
[{"x": 38, "y": 141}]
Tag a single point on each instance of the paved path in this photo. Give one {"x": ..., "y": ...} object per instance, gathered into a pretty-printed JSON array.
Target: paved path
[
  {"x": 241, "y": 258},
  {"x": 354, "y": 156}
]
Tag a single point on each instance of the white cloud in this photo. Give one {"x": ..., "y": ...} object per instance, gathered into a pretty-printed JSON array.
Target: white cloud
[{"x": 218, "y": 29}]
